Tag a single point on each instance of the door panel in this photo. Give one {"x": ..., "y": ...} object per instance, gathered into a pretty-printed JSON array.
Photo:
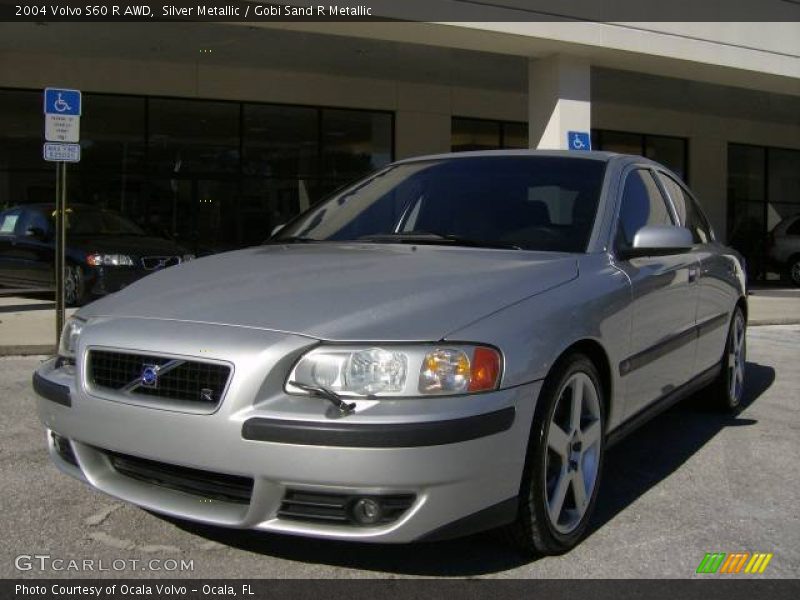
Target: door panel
[
  {"x": 36, "y": 256},
  {"x": 716, "y": 297},
  {"x": 663, "y": 338},
  {"x": 716, "y": 293}
]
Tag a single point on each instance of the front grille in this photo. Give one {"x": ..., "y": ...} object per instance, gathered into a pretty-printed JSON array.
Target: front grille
[
  {"x": 337, "y": 508},
  {"x": 204, "y": 484},
  {"x": 153, "y": 263},
  {"x": 201, "y": 383}
]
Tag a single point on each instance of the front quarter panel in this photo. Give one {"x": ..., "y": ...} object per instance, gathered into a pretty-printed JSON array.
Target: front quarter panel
[{"x": 534, "y": 333}]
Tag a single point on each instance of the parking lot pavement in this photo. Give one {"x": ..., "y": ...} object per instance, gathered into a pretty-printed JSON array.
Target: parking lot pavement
[{"x": 690, "y": 482}]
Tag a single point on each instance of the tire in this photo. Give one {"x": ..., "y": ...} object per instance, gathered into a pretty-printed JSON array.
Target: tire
[
  {"x": 793, "y": 270},
  {"x": 74, "y": 286},
  {"x": 558, "y": 454},
  {"x": 727, "y": 390}
]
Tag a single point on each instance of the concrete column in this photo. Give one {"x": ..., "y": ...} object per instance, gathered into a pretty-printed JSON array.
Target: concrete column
[
  {"x": 708, "y": 177},
  {"x": 559, "y": 100}
]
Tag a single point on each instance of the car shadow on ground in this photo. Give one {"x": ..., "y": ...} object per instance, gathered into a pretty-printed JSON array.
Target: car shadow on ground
[{"x": 633, "y": 466}]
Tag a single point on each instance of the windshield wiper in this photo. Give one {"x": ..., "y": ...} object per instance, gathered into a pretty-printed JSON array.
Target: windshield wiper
[
  {"x": 329, "y": 395},
  {"x": 292, "y": 239},
  {"x": 428, "y": 237}
]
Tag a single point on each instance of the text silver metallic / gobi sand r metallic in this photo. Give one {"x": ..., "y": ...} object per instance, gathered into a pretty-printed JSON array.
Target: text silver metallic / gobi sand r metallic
[{"x": 446, "y": 346}]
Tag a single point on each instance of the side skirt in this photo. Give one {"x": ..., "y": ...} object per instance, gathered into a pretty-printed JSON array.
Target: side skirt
[{"x": 666, "y": 401}]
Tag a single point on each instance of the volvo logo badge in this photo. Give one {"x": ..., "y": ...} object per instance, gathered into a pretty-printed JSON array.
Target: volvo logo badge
[
  {"x": 206, "y": 395},
  {"x": 149, "y": 377}
]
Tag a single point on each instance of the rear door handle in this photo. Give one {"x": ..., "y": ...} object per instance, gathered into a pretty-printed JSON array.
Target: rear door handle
[{"x": 693, "y": 274}]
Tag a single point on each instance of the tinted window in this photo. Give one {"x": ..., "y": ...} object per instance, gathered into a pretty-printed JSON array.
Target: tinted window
[
  {"x": 542, "y": 203},
  {"x": 688, "y": 212},
  {"x": 642, "y": 204},
  {"x": 82, "y": 221},
  {"x": 33, "y": 218},
  {"x": 794, "y": 228}
]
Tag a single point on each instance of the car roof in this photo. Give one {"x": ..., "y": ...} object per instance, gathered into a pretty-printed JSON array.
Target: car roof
[
  {"x": 51, "y": 206},
  {"x": 571, "y": 154}
]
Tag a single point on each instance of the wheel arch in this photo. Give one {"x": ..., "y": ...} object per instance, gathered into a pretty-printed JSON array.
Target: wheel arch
[
  {"x": 742, "y": 303},
  {"x": 597, "y": 354}
]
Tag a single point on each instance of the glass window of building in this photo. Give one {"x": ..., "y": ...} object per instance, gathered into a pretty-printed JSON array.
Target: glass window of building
[
  {"x": 763, "y": 189},
  {"x": 485, "y": 134},
  {"x": 515, "y": 135},
  {"x": 193, "y": 136},
  {"x": 672, "y": 152},
  {"x": 212, "y": 175},
  {"x": 354, "y": 142},
  {"x": 21, "y": 123},
  {"x": 280, "y": 141}
]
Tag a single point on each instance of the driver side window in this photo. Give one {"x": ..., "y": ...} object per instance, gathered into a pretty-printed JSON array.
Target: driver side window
[{"x": 642, "y": 204}]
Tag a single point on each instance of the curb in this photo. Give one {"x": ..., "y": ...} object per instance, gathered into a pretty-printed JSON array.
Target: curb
[{"x": 28, "y": 350}]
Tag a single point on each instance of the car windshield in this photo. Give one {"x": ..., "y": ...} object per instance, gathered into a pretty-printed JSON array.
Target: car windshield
[
  {"x": 524, "y": 202},
  {"x": 88, "y": 221}
]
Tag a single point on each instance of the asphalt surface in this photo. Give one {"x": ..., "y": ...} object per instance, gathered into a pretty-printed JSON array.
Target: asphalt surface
[{"x": 690, "y": 482}]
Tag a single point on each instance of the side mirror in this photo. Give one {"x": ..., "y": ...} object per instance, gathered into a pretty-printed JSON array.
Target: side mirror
[
  {"x": 37, "y": 233},
  {"x": 276, "y": 229},
  {"x": 660, "y": 240}
]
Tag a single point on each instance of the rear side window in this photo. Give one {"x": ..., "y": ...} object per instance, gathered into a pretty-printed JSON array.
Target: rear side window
[
  {"x": 33, "y": 218},
  {"x": 794, "y": 228},
  {"x": 642, "y": 204},
  {"x": 688, "y": 212}
]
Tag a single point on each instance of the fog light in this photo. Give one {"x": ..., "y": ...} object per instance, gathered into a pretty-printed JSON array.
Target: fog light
[{"x": 367, "y": 511}]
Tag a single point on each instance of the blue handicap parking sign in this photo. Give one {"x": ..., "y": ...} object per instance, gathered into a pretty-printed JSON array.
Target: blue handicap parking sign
[
  {"x": 62, "y": 102},
  {"x": 579, "y": 140}
]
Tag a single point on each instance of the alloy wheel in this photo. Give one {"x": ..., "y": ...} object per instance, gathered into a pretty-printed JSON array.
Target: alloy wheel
[
  {"x": 736, "y": 359},
  {"x": 794, "y": 272},
  {"x": 70, "y": 285},
  {"x": 572, "y": 463}
]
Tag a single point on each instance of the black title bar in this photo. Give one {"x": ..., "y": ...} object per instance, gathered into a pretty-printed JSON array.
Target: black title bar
[{"x": 402, "y": 10}]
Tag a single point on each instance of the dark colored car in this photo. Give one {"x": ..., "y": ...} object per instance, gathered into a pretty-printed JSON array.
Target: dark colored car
[{"x": 104, "y": 251}]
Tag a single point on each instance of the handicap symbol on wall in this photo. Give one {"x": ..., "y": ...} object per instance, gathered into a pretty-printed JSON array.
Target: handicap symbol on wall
[{"x": 579, "y": 140}]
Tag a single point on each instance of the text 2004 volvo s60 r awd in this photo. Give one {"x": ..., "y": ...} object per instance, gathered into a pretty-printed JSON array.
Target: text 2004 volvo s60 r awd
[{"x": 445, "y": 346}]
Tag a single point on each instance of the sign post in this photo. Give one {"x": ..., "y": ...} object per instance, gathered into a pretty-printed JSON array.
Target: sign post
[{"x": 62, "y": 123}]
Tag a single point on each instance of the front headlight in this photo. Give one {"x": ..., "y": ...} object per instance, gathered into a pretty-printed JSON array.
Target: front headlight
[
  {"x": 398, "y": 370},
  {"x": 109, "y": 260},
  {"x": 68, "y": 343}
]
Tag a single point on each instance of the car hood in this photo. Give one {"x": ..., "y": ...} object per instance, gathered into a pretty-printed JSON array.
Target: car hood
[
  {"x": 125, "y": 244},
  {"x": 343, "y": 291}
]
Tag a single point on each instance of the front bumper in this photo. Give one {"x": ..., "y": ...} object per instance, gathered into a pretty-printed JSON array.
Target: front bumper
[
  {"x": 104, "y": 280},
  {"x": 455, "y": 456}
]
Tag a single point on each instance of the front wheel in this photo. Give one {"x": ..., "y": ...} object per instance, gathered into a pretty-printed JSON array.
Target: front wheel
[{"x": 564, "y": 460}]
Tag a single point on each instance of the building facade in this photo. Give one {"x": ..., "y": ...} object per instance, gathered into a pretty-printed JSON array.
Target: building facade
[{"x": 214, "y": 133}]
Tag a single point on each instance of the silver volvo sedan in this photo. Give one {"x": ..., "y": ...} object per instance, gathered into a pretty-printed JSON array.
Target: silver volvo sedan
[{"x": 446, "y": 346}]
